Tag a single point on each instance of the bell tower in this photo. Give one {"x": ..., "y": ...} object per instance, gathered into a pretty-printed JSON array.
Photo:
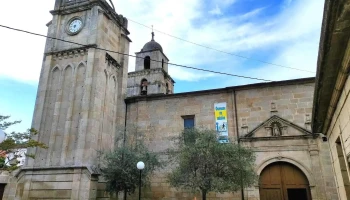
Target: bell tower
[
  {"x": 151, "y": 72},
  {"x": 80, "y": 100}
]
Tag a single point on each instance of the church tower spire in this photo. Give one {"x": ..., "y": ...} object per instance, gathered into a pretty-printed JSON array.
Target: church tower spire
[
  {"x": 152, "y": 34},
  {"x": 151, "y": 71}
]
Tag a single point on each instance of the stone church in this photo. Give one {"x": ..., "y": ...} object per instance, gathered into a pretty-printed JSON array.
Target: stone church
[{"x": 85, "y": 92}]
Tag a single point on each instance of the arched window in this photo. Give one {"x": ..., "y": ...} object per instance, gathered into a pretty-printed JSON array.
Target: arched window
[
  {"x": 147, "y": 62},
  {"x": 166, "y": 88},
  {"x": 162, "y": 63},
  {"x": 144, "y": 84}
]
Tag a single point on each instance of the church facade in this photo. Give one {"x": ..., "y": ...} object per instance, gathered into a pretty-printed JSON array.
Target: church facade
[{"x": 86, "y": 92}]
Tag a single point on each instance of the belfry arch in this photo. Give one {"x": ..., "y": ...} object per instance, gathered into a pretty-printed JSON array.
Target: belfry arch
[
  {"x": 147, "y": 62},
  {"x": 283, "y": 181}
]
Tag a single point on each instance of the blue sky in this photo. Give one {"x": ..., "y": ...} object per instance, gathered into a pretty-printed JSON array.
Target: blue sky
[{"x": 284, "y": 32}]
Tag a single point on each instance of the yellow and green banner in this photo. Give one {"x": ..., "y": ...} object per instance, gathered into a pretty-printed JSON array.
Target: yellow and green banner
[{"x": 220, "y": 110}]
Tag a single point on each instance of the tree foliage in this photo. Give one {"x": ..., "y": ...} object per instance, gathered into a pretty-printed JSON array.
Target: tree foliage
[
  {"x": 14, "y": 143},
  {"x": 119, "y": 166},
  {"x": 203, "y": 164}
]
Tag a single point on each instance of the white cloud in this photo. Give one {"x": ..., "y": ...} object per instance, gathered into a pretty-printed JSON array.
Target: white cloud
[
  {"x": 250, "y": 14},
  {"x": 21, "y": 53},
  {"x": 186, "y": 75},
  {"x": 241, "y": 34},
  {"x": 216, "y": 11}
]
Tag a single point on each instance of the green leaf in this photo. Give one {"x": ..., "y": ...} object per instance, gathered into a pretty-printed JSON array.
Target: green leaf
[{"x": 15, "y": 141}]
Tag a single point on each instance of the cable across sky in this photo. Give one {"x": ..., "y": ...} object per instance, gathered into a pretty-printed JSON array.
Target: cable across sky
[
  {"x": 174, "y": 64},
  {"x": 221, "y": 51}
]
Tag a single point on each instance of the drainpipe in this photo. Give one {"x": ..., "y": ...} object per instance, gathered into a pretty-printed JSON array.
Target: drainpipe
[
  {"x": 124, "y": 138},
  {"x": 237, "y": 135},
  {"x": 125, "y": 120}
]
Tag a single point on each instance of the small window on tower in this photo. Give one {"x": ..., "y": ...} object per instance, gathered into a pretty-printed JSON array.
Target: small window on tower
[
  {"x": 147, "y": 62},
  {"x": 166, "y": 88},
  {"x": 144, "y": 84},
  {"x": 162, "y": 63}
]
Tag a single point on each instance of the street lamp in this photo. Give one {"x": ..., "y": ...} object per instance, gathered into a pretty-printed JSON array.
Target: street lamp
[{"x": 140, "y": 166}]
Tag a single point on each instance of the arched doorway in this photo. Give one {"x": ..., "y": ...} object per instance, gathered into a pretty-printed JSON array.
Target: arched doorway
[{"x": 283, "y": 181}]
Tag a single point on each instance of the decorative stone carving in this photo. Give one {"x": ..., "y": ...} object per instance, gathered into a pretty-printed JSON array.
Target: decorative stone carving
[
  {"x": 111, "y": 61},
  {"x": 268, "y": 130},
  {"x": 279, "y": 156},
  {"x": 307, "y": 118},
  {"x": 276, "y": 129},
  {"x": 273, "y": 108},
  {"x": 244, "y": 126},
  {"x": 284, "y": 130},
  {"x": 308, "y": 121}
]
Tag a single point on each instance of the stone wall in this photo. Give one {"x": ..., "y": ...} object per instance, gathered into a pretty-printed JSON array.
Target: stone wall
[
  {"x": 161, "y": 117},
  {"x": 290, "y": 102},
  {"x": 339, "y": 135}
]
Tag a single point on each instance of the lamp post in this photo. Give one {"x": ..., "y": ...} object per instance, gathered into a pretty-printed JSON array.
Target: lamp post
[{"x": 140, "y": 166}]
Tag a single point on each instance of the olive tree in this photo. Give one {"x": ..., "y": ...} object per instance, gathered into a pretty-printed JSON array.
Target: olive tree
[
  {"x": 119, "y": 166},
  {"x": 205, "y": 165},
  {"x": 13, "y": 144}
]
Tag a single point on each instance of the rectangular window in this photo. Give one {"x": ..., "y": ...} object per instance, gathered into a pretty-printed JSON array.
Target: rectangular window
[
  {"x": 188, "y": 121},
  {"x": 189, "y": 136}
]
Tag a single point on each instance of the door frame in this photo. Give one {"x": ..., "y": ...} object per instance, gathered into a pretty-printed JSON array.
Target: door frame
[{"x": 282, "y": 186}]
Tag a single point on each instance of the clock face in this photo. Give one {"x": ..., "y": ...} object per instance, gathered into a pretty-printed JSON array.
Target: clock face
[{"x": 75, "y": 26}]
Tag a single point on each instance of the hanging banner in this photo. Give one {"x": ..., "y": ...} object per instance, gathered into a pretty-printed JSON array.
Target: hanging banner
[{"x": 220, "y": 110}]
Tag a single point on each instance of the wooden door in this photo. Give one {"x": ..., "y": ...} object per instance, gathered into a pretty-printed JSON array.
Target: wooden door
[{"x": 283, "y": 181}]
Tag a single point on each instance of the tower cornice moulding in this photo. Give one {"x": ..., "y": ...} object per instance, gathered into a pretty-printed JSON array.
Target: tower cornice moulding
[{"x": 69, "y": 53}]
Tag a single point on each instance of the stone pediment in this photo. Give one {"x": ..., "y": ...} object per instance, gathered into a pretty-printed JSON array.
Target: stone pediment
[{"x": 276, "y": 126}]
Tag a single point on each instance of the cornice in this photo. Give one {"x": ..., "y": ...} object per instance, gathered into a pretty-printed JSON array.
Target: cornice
[
  {"x": 338, "y": 89},
  {"x": 255, "y": 139},
  {"x": 70, "y": 53},
  {"x": 220, "y": 90},
  {"x": 92, "y": 170},
  {"x": 140, "y": 52},
  {"x": 149, "y": 71},
  {"x": 145, "y": 72},
  {"x": 332, "y": 63}
]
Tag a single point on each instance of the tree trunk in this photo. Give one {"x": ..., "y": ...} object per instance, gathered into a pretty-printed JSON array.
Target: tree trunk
[
  {"x": 125, "y": 194},
  {"x": 204, "y": 194}
]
